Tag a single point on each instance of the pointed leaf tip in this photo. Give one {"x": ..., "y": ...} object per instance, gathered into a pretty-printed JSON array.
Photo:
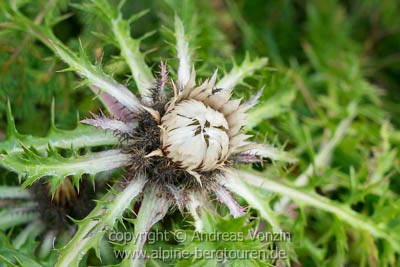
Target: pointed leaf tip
[{"x": 11, "y": 131}]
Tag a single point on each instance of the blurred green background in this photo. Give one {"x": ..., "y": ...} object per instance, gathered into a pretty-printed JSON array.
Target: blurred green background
[{"x": 324, "y": 55}]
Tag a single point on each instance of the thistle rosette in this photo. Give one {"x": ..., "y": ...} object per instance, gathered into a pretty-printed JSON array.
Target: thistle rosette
[
  {"x": 188, "y": 141},
  {"x": 182, "y": 143},
  {"x": 179, "y": 142},
  {"x": 182, "y": 139},
  {"x": 185, "y": 140}
]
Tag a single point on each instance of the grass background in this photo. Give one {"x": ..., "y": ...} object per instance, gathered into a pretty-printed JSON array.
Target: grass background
[{"x": 325, "y": 58}]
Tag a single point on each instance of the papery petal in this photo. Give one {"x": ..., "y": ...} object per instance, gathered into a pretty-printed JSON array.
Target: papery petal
[
  {"x": 236, "y": 120},
  {"x": 239, "y": 140},
  {"x": 230, "y": 106},
  {"x": 184, "y": 93}
]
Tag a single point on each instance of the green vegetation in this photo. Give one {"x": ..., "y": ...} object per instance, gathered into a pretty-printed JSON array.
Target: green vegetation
[{"x": 331, "y": 99}]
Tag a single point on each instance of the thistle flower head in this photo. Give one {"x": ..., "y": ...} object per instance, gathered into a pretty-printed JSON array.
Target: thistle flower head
[
  {"x": 195, "y": 136},
  {"x": 44, "y": 216},
  {"x": 186, "y": 137}
]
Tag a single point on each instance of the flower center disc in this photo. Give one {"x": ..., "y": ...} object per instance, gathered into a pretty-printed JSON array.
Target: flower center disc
[{"x": 195, "y": 135}]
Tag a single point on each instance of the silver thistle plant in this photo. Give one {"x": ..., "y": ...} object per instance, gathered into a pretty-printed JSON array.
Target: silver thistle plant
[
  {"x": 179, "y": 141},
  {"x": 177, "y": 148}
]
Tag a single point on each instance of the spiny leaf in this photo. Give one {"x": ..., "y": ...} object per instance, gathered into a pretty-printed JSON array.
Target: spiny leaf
[
  {"x": 81, "y": 64},
  {"x": 32, "y": 164},
  {"x": 92, "y": 229},
  {"x": 240, "y": 188},
  {"x": 153, "y": 208},
  {"x": 130, "y": 47},
  {"x": 274, "y": 106},
  {"x": 136, "y": 16},
  {"x": 343, "y": 212},
  {"x": 130, "y": 50},
  {"x": 107, "y": 39},
  {"x": 81, "y": 136},
  {"x": 95, "y": 75},
  {"x": 238, "y": 73}
]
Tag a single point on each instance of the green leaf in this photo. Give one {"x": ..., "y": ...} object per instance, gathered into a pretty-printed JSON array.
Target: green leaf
[
  {"x": 239, "y": 73},
  {"x": 343, "y": 212},
  {"x": 226, "y": 234},
  {"x": 32, "y": 164},
  {"x": 81, "y": 136},
  {"x": 130, "y": 47},
  {"x": 14, "y": 257},
  {"x": 274, "y": 106},
  {"x": 95, "y": 75},
  {"x": 102, "y": 219}
]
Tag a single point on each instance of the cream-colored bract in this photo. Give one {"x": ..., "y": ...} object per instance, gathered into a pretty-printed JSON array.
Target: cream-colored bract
[
  {"x": 201, "y": 127},
  {"x": 195, "y": 135}
]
